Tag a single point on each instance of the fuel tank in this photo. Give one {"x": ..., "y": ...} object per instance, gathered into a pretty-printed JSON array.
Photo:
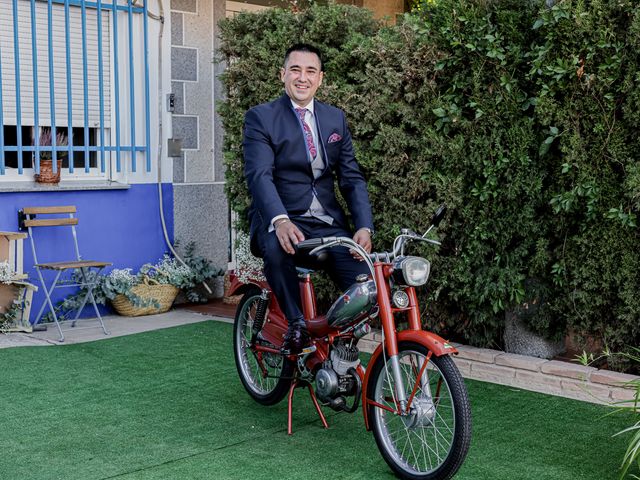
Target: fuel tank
[{"x": 353, "y": 305}]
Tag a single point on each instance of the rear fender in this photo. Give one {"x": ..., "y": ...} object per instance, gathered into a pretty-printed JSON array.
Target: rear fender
[
  {"x": 238, "y": 287},
  {"x": 434, "y": 343},
  {"x": 275, "y": 325}
]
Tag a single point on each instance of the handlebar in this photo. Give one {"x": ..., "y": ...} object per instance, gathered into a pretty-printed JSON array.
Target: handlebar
[
  {"x": 314, "y": 243},
  {"x": 318, "y": 244}
]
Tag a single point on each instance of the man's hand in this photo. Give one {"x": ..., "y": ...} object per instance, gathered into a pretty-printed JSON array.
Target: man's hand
[
  {"x": 288, "y": 235},
  {"x": 363, "y": 238}
]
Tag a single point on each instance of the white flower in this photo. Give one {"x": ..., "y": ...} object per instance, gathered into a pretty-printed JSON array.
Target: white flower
[
  {"x": 6, "y": 272},
  {"x": 248, "y": 268}
]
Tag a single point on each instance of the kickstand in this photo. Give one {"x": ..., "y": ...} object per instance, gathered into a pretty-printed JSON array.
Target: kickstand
[{"x": 296, "y": 384}]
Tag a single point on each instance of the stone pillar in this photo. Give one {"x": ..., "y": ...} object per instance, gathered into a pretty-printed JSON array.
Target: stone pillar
[{"x": 200, "y": 206}]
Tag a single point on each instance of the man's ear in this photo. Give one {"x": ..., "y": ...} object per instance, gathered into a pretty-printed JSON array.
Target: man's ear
[{"x": 282, "y": 71}]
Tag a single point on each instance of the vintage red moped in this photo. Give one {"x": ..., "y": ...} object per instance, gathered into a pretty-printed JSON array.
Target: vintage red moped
[{"x": 413, "y": 396}]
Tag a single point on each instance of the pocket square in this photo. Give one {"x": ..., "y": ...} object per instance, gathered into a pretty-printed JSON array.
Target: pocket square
[{"x": 334, "y": 138}]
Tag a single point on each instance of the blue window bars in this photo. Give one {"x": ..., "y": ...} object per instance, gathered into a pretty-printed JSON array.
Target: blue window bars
[{"x": 54, "y": 28}]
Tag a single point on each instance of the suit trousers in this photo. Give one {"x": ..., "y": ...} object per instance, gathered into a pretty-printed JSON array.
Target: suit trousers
[{"x": 280, "y": 267}]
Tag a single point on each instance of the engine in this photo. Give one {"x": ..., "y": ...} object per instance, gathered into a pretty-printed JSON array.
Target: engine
[{"x": 337, "y": 379}]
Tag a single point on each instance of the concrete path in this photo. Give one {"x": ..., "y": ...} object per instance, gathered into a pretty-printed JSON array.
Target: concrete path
[{"x": 88, "y": 330}]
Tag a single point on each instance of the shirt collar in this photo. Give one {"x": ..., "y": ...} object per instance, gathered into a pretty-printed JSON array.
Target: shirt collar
[{"x": 309, "y": 106}]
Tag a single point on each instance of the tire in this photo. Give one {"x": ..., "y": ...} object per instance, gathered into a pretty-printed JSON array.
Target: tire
[
  {"x": 432, "y": 442},
  {"x": 269, "y": 390}
]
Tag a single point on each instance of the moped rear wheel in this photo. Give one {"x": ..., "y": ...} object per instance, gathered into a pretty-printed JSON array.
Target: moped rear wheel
[
  {"x": 432, "y": 440},
  {"x": 265, "y": 376}
]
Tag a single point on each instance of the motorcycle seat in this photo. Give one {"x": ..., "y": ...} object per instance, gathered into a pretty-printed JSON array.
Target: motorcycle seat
[{"x": 318, "y": 327}]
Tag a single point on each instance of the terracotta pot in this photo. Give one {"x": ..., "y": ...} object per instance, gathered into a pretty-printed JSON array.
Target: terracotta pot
[{"x": 46, "y": 174}]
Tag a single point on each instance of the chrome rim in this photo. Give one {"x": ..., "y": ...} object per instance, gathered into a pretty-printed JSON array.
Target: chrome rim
[
  {"x": 421, "y": 441},
  {"x": 252, "y": 363}
]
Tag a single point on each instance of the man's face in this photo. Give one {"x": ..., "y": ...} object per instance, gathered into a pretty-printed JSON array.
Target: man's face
[{"x": 301, "y": 77}]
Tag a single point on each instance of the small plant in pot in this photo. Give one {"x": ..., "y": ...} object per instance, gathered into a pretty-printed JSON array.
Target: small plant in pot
[{"x": 47, "y": 175}]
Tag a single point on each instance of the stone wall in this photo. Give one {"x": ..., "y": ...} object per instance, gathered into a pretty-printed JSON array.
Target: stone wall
[{"x": 552, "y": 377}]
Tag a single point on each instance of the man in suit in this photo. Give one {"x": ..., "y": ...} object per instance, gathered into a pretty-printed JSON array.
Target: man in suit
[{"x": 294, "y": 149}]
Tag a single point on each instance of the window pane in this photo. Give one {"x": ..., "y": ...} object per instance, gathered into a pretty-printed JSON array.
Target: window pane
[{"x": 11, "y": 140}]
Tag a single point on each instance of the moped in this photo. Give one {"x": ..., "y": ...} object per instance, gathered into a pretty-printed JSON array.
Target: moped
[{"x": 413, "y": 396}]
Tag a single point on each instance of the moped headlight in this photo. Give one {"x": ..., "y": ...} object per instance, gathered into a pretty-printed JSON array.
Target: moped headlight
[{"x": 411, "y": 271}]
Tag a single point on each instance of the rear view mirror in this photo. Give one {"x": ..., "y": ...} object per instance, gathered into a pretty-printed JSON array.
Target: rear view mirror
[{"x": 439, "y": 215}]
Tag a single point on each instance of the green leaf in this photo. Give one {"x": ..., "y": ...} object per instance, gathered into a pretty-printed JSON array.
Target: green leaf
[{"x": 439, "y": 112}]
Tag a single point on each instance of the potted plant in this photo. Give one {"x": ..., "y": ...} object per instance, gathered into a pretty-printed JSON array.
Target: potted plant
[
  {"x": 47, "y": 175},
  {"x": 152, "y": 290}
]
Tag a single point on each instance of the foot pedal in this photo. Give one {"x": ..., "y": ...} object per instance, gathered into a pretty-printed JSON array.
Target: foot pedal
[
  {"x": 305, "y": 351},
  {"x": 309, "y": 349}
]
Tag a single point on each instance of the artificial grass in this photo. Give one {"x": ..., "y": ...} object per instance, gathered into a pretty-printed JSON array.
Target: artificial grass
[{"x": 168, "y": 405}]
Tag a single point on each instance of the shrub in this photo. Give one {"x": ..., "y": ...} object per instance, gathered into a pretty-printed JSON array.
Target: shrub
[{"x": 521, "y": 117}]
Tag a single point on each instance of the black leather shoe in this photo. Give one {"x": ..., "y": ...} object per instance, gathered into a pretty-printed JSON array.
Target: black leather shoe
[{"x": 295, "y": 339}]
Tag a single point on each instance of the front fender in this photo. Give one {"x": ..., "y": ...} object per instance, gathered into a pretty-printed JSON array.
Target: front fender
[{"x": 434, "y": 343}]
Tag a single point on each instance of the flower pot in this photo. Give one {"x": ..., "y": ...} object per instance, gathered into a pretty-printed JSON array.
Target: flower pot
[{"x": 46, "y": 174}]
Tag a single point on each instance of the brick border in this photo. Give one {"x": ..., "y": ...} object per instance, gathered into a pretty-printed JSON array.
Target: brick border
[{"x": 564, "y": 379}]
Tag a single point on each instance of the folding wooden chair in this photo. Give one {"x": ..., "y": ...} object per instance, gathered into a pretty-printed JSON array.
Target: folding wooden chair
[{"x": 62, "y": 216}]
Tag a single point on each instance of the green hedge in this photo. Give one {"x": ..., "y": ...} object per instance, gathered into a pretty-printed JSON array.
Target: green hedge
[{"x": 522, "y": 118}]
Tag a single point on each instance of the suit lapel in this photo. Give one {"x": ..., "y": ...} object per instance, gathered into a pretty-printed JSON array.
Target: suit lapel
[{"x": 319, "y": 113}]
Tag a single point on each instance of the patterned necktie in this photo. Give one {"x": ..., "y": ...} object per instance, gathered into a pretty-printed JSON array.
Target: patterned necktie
[{"x": 307, "y": 133}]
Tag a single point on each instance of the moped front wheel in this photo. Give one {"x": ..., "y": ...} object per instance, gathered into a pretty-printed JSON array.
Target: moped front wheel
[
  {"x": 265, "y": 376},
  {"x": 429, "y": 442}
]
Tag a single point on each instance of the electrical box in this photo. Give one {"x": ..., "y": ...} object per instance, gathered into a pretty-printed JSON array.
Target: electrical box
[{"x": 171, "y": 102}]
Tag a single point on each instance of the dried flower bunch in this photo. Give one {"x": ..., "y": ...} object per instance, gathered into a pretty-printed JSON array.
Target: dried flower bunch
[{"x": 45, "y": 141}]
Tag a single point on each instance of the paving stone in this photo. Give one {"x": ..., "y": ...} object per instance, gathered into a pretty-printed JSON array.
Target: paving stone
[
  {"x": 521, "y": 362},
  {"x": 566, "y": 369},
  {"x": 583, "y": 390},
  {"x": 484, "y": 355},
  {"x": 608, "y": 377}
]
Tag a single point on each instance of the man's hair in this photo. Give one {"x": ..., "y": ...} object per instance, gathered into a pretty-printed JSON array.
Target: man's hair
[{"x": 303, "y": 47}]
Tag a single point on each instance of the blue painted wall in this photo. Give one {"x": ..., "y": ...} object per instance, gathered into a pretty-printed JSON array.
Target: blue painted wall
[{"x": 118, "y": 226}]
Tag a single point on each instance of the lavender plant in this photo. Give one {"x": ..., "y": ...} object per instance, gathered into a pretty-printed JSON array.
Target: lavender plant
[{"x": 46, "y": 141}]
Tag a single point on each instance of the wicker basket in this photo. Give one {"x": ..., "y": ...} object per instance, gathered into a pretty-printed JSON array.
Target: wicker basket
[{"x": 163, "y": 294}]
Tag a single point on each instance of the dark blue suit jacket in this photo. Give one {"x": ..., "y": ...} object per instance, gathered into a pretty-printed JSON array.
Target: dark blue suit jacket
[{"x": 279, "y": 174}]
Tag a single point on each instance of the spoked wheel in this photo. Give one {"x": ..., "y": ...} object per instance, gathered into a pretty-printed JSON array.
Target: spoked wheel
[
  {"x": 431, "y": 442},
  {"x": 265, "y": 376}
]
